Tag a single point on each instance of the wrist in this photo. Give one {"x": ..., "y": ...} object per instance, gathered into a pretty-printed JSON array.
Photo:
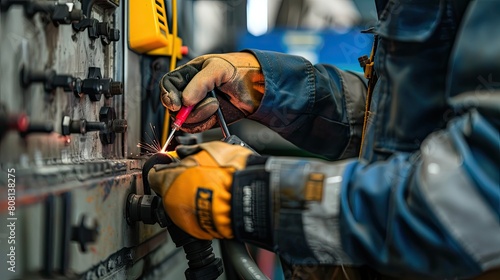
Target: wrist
[
  {"x": 251, "y": 204},
  {"x": 286, "y": 205}
]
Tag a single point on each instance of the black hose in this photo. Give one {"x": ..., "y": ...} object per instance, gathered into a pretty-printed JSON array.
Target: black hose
[{"x": 202, "y": 263}]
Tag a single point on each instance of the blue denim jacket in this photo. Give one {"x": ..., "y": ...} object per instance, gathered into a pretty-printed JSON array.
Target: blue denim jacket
[{"x": 423, "y": 199}]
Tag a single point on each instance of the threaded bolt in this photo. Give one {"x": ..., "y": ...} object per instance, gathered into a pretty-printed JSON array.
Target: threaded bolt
[
  {"x": 119, "y": 126},
  {"x": 81, "y": 126},
  {"x": 116, "y": 88}
]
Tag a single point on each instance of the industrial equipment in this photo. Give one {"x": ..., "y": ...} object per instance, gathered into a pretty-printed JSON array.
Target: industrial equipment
[
  {"x": 70, "y": 113},
  {"x": 72, "y": 97},
  {"x": 148, "y": 208}
]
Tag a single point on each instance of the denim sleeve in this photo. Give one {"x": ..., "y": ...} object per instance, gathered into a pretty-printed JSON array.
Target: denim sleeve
[
  {"x": 319, "y": 108},
  {"x": 433, "y": 213}
]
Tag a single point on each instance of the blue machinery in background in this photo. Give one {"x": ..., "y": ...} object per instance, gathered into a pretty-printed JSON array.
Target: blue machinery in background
[{"x": 341, "y": 48}]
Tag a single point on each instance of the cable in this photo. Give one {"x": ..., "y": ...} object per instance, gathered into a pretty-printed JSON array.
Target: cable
[
  {"x": 243, "y": 263},
  {"x": 173, "y": 63}
]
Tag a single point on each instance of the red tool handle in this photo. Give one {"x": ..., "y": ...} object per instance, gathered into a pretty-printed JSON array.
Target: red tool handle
[{"x": 181, "y": 117}]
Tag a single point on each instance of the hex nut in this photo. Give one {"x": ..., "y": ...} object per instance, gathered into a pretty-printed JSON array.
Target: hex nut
[
  {"x": 106, "y": 114},
  {"x": 92, "y": 87}
]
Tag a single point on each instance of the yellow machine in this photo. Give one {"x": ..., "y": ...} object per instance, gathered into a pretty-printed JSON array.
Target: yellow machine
[{"x": 149, "y": 31}]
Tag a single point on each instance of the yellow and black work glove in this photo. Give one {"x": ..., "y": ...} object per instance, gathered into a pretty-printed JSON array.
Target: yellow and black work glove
[
  {"x": 196, "y": 191},
  {"x": 236, "y": 77}
]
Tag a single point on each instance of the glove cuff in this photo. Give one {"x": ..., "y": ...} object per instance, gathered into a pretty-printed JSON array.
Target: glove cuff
[
  {"x": 290, "y": 206},
  {"x": 251, "y": 211}
]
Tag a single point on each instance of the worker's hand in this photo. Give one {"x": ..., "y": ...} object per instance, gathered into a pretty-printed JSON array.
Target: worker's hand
[
  {"x": 196, "y": 191},
  {"x": 239, "y": 81}
]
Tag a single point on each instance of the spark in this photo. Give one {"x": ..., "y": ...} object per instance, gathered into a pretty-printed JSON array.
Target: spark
[{"x": 152, "y": 144}]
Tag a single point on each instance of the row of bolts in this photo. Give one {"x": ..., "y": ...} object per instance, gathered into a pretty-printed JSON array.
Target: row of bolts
[{"x": 93, "y": 87}]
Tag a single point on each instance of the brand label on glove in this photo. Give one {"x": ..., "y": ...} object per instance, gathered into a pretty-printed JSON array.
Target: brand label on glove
[
  {"x": 314, "y": 187},
  {"x": 204, "y": 209},
  {"x": 248, "y": 203}
]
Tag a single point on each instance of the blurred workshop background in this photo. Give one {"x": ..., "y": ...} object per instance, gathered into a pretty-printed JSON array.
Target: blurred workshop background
[{"x": 80, "y": 114}]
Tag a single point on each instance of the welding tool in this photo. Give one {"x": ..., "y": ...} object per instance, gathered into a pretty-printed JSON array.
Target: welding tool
[
  {"x": 228, "y": 138},
  {"x": 148, "y": 208},
  {"x": 220, "y": 117},
  {"x": 180, "y": 118}
]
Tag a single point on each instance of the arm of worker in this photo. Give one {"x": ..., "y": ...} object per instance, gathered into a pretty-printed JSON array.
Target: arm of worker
[
  {"x": 319, "y": 108},
  {"x": 435, "y": 213}
]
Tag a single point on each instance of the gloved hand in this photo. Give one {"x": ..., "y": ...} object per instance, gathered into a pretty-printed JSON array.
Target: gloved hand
[
  {"x": 238, "y": 76},
  {"x": 196, "y": 191}
]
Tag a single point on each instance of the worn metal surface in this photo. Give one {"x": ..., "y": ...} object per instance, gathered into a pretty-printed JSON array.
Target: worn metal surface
[
  {"x": 118, "y": 248},
  {"x": 37, "y": 44},
  {"x": 59, "y": 179}
]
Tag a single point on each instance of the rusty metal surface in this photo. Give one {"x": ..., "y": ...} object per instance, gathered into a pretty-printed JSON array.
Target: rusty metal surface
[
  {"x": 39, "y": 45},
  {"x": 101, "y": 199},
  {"x": 60, "y": 179}
]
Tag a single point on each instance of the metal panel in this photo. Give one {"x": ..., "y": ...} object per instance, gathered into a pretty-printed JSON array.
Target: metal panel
[{"x": 60, "y": 179}]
